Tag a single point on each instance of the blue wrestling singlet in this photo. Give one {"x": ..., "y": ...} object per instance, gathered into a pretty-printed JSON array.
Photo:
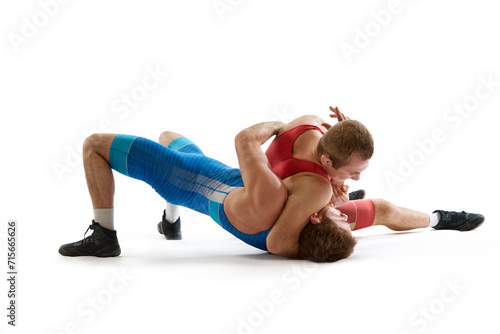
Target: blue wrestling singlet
[{"x": 184, "y": 176}]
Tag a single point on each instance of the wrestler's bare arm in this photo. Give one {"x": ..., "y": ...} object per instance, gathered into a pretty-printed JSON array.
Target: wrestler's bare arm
[
  {"x": 253, "y": 162},
  {"x": 308, "y": 196},
  {"x": 256, "y": 206}
]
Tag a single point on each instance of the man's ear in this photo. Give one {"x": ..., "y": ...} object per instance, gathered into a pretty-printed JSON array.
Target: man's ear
[
  {"x": 314, "y": 219},
  {"x": 325, "y": 160}
]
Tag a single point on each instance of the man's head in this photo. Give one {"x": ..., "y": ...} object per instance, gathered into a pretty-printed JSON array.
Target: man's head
[
  {"x": 327, "y": 237},
  {"x": 345, "y": 150}
]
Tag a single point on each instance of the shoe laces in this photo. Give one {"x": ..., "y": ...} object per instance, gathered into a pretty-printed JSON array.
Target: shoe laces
[
  {"x": 91, "y": 227},
  {"x": 456, "y": 217}
]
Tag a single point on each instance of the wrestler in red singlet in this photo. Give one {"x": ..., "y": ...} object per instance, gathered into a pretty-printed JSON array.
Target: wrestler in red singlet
[{"x": 360, "y": 213}]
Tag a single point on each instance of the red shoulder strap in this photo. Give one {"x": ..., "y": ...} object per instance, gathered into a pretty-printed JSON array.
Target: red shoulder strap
[{"x": 280, "y": 154}]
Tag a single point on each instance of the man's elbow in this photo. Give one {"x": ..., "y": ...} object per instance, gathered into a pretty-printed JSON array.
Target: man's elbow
[
  {"x": 281, "y": 249},
  {"x": 242, "y": 138}
]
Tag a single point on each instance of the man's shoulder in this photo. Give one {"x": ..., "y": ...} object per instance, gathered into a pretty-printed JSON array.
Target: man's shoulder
[
  {"x": 313, "y": 188},
  {"x": 306, "y": 119},
  {"x": 309, "y": 119}
]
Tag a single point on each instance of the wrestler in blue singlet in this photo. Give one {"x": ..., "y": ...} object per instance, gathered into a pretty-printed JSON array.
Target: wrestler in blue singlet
[{"x": 184, "y": 176}]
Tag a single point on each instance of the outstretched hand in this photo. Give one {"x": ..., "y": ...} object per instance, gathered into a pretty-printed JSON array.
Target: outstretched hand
[
  {"x": 340, "y": 195},
  {"x": 337, "y": 114}
]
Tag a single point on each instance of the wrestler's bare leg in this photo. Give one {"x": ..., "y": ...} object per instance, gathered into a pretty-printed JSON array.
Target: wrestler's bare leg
[
  {"x": 101, "y": 185},
  {"x": 100, "y": 181},
  {"x": 398, "y": 218}
]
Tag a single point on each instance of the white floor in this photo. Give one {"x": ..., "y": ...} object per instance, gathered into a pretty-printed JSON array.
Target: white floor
[
  {"x": 423, "y": 77},
  {"x": 414, "y": 282}
]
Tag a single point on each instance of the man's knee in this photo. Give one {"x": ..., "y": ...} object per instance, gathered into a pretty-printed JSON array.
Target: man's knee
[
  {"x": 91, "y": 142},
  {"x": 167, "y": 137},
  {"x": 99, "y": 143},
  {"x": 385, "y": 212}
]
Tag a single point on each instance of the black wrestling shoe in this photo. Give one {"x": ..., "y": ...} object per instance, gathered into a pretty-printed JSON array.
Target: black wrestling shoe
[
  {"x": 102, "y": 243},
  {"x": 460, "y": 221},
  {"x": 169, "y": 230},
  {"x": 358, "y": 194}
]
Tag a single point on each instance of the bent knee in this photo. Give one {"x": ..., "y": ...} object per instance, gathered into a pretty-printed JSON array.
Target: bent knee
[
  {"x": 92, "y": 141},
  {"x": 385, "y": 212},
  {"x": 98, "y": 142},
  {"x": 167, "y": 137}
]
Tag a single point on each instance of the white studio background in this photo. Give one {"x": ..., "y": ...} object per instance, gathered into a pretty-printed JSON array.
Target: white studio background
[{"x": 422, "y": 75}]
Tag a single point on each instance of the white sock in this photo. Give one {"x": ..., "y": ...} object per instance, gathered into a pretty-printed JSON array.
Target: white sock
[
  {"x": 434, "y": 219},
  {"x": 172, "y": 213},
  {"x": 105, "y": 218}
]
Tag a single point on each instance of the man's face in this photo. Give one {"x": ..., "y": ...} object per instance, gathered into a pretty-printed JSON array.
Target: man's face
[
  {"x": 333, "y": 214},
  {"x": 350, "y": 172}
]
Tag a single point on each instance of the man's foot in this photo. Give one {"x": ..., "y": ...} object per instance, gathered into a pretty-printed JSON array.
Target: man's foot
[
  {"x": 102, "y": 243},
  {"x": 460, "y": 221},
  {"x": 169, "y": 230},
  {"x": 358, "y": 194}
]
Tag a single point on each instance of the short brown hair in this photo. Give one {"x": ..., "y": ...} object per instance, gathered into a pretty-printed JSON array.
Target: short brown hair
[
  {"x": 345, "y": 139},
  {"x": 325, "y": 242}
]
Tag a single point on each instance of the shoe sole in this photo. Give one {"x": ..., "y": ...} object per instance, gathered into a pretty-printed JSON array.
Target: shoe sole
[
  {"x": 113, "y": 253},
  {"x": 481, "y": 221},
  {"x": 174, "y": 236},
  {"x": 171, "y": 236}
]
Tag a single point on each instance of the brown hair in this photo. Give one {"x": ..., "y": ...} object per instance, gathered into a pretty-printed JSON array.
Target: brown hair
[
  {"x": 325, "y": 242},
  {"x": 345, "y": 139}
]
